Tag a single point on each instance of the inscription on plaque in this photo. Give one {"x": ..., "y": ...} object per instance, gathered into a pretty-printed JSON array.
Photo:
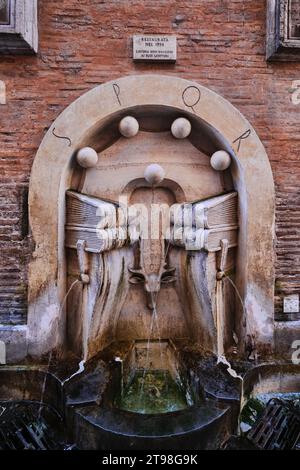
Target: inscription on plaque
[
  {"x": 154, "y": 48},
  {"x": 291, "y": 304}
]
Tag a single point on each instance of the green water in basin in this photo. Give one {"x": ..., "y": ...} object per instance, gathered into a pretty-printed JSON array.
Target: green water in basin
[{"x": 153, "y": 392}]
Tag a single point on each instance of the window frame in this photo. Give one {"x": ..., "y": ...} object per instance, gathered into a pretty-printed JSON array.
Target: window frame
[
  {"x": 11, "y": 7},
  {"x": 280, "y": 46},
  {"x": 20, "y": 36}
]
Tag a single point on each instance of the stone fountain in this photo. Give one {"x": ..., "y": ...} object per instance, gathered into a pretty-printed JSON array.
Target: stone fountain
[
  {"x": 152, "y": 275},
  {"x": 151, "y": 246}
]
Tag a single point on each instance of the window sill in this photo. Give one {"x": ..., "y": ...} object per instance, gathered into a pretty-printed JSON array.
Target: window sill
[
  {"x": 21, "y": 36},
  {"x": 280, "y": 47}
]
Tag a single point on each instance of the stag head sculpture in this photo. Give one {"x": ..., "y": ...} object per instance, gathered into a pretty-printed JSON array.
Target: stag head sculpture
[{"x": 153, "y": 270}]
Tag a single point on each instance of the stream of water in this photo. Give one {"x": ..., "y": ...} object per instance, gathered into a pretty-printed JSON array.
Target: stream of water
[
  {"x": 239, "y": 297},
  {"x": 85, "y": 335},
  {"x": 51, "y": 352},
  {"x": 147, "y": 359},
  {"x": 221, "y": 356}
]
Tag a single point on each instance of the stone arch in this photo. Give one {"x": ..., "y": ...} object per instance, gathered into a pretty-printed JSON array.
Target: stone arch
[{"x": 52, "y": 172}]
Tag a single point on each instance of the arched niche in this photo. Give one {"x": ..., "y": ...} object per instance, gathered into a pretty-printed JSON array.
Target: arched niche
[{"x": 80, "y": 124}]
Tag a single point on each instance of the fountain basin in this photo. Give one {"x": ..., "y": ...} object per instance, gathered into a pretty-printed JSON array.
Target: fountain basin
[
  {"x": 31, "y": 383},
  {"x": 270, "y": 405},
  {"x": 87, "y": 412},
  {"x": 87, "y": 415},
  {"x": 153, "y": 379},
  {"x": 100, "y": 421},
  {"x": 31, "y": 409},
  {"x": 271, "y": 378},
  {"x": 202, "y": 427}
]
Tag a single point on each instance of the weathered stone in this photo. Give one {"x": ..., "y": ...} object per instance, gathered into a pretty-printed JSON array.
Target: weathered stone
[
  {"x": 129, "y": 126},
  {"x": 41, "y": 87},
  {"x": 126, "y": 168},
  {"x": 181, "y": 128},
  {"x": 154, "y": 174},
  {"x": 220, "y": 160},
  {"x": 87, "y": 157}
]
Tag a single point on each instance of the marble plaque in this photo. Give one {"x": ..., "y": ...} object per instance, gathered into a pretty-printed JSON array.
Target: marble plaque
[
  {"x": 291, "y": 304},
  {"x": 154, "y": 48}
]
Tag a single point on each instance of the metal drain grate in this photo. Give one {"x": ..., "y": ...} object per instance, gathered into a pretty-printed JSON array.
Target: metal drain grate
[
  {"x": 278, "y": 427},
  {"x": 29, "y": 426}
]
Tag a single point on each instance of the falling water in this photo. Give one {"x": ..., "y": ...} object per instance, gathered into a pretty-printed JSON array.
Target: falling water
[
  {"x": 242, "y": 304},
  {"x": 223, "y": 359},
  {"x": 85, "y": 335},
  {"x": 118, "y": 359},
  {"x": 157, "y": 324},
  {"x": 220, "y": 318},
  {"x": 79, "y": 371},
  {"x": 221, "y": 355},
  {"x": 147, "y": 358},
  {"x": 154, "y": 321},
  {"x": 159, "y": 339},
  {"x": 235, "y": 375},
  {"x": 238, "y": 295},
  {"x": 51, "y": 352}
]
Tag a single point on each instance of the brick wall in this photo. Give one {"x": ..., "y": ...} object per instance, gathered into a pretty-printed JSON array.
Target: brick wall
[{"x": 221, "y": 44}]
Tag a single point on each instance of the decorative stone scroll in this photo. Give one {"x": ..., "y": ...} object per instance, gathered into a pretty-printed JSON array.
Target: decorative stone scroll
[
  {"x": 93, "y": 221},
  {"x": 204, "y": 224}
]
